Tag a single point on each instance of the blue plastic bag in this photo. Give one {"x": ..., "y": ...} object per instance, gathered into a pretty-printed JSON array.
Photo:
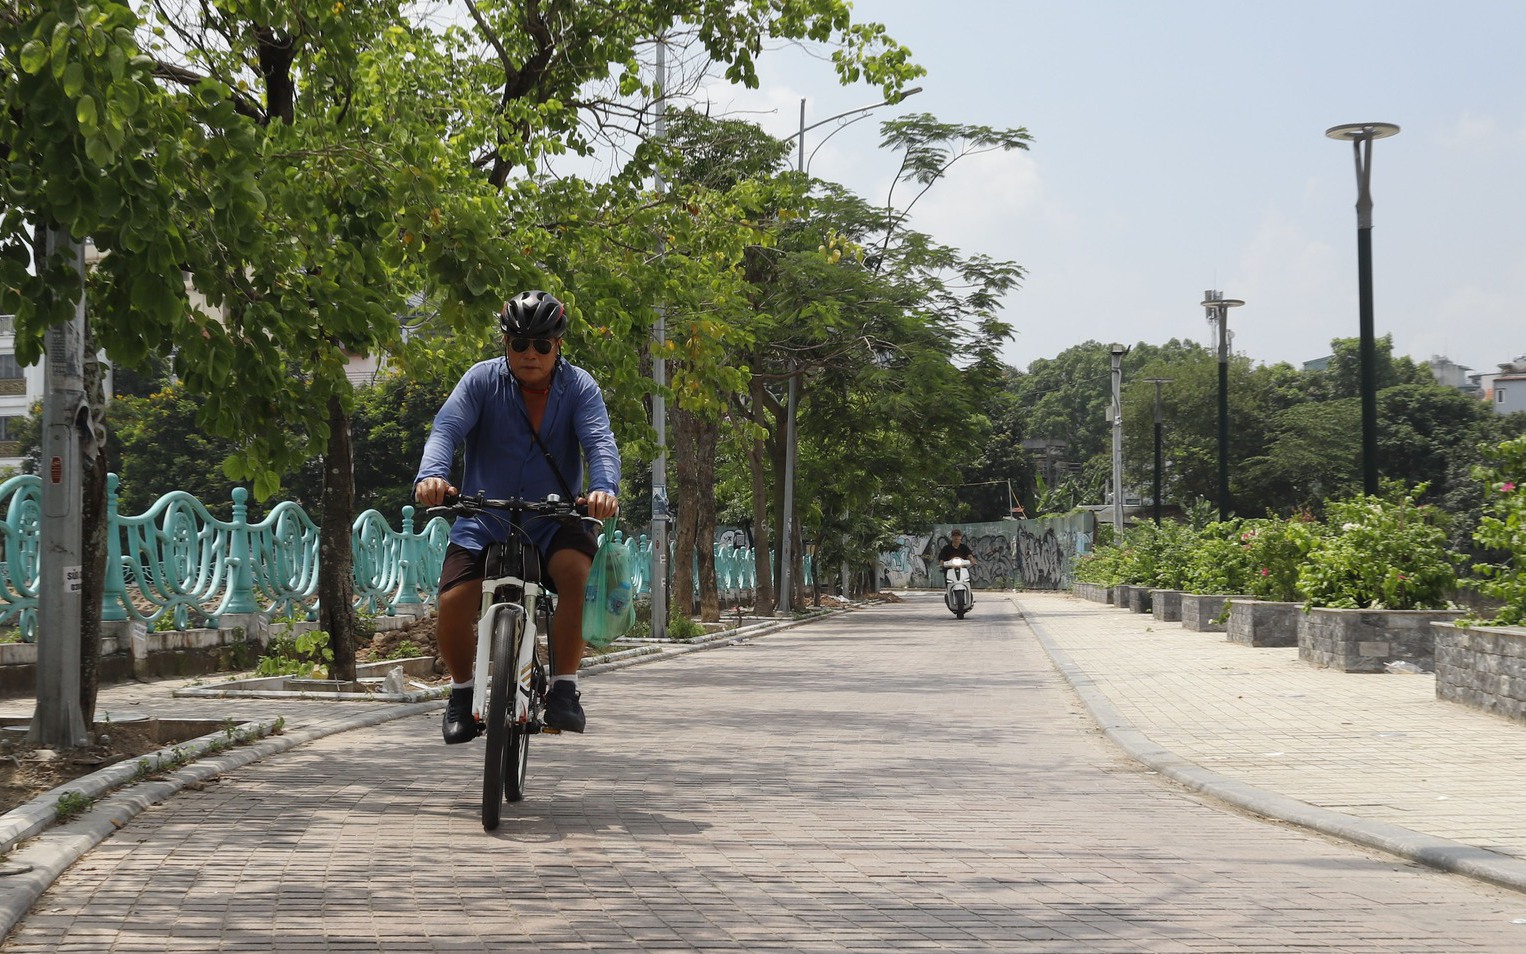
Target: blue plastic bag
[{"x": 608, "y": 608}]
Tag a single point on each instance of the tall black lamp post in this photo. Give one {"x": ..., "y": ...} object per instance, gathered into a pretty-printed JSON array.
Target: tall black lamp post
[
  {"x": 1159, "y": 420},
  {"x": 1361, "y": 135},
  {"x": 1218, "y": 307}
]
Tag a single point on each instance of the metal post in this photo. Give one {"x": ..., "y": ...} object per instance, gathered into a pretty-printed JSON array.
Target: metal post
[
  {"x": 1159, "y": 423},
  {"x": 59, "y": 720},
  {"x": 786, "y": 536},
  {"x": 660, "y": 512},
  {"x": 1361, "y": 135},
  {"x": 1218, "y": 307},
  {"x": 1118, "y": 352}
]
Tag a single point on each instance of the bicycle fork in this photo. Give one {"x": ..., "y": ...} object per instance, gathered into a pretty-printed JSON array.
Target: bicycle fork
[{"x": 524, "y": 664}]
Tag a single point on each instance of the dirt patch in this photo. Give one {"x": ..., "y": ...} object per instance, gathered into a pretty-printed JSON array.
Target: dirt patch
[
  {"x": 416, "y": 639},
  {"x": 27, "y": 769}
]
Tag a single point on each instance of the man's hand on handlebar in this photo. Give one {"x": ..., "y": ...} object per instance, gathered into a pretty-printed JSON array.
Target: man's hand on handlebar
[
  {"x": 432, "y": 491},
  {"x": 601, "y": 504}
]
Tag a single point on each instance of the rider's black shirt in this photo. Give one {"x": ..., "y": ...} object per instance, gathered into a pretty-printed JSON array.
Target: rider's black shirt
[{"x": 950, "y": 551}]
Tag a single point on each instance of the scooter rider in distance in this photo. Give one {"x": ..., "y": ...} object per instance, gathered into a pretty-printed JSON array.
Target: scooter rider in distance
[
  {"x": 956, "y": 547},
  {"x": 958, "y": 594}
]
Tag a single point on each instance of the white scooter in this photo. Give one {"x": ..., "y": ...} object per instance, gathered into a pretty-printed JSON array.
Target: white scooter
[{"x": 958, "y": 594}]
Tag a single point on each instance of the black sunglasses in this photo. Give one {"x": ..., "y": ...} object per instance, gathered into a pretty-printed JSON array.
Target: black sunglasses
[{"x": 542, "y": 345}]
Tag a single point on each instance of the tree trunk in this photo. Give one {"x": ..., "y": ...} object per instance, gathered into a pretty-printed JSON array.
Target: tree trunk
[
  {"x": 763, "y": 591},
  {"x": 336, "y": 561},
  {"x": 695, "y": 447},
  {"x": 685, "y": 529},
  {"x": 707, "y": 436},
  {"x": 93, "y": 531}
]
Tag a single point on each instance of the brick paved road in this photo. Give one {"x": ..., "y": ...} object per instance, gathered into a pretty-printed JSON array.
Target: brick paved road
[{"x": 887, "y": 780}]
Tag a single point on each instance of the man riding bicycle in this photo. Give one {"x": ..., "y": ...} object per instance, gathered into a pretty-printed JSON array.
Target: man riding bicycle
[{"x": 522, "y": 420}]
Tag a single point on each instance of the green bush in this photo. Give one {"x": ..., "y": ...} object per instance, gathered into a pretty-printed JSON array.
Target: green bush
[
  {"x": 1102, "y": 565},
  {"x": 1219, "y": 562},
  {"x": 1502, "y": 529},
  {"x": 289, "y": 655},
  {"x": 1380, "y": 552},
  {"x": 1276, "y": 551}
]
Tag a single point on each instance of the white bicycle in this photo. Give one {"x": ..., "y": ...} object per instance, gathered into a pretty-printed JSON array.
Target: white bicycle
[{"x": 514, "y": 658}]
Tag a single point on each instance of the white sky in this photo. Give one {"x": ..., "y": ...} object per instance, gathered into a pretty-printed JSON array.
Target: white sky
[{"x": 1179, "y": 146}]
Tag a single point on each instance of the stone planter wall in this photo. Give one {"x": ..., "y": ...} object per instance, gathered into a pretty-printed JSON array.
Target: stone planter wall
[
  {"x": 1483, "y": 667},
  {"x": 1139, "y": 599},
  {"x": 1364, "y": 640},
  {"x": 1166, "y": 605},
  {"x": 1263, "y": 623},
  {"x": 1095, "y": 592},
  {"x": 1200, "y": 610}
]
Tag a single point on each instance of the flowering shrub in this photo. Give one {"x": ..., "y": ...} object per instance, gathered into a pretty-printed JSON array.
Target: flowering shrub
[
  {"x": 1220, "y": 562},
  {"x": 1380, "y": 553},
  {"x": 1100, "y": 566},
  {"x": 1276, "y": 551},
  {"x": 1503, "y": 528}
]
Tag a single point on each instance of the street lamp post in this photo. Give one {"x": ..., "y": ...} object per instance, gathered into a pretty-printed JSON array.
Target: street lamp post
[
  {"x": 1159, "y": 420},
  {"x": 1118, "y": 352},
  {"x": 792, "y": 400},
  {"x": 1361, "y": 135},
  {"x": 1218, "y": 307}
]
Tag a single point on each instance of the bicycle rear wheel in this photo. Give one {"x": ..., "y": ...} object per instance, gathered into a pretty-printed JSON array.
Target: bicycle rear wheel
[{"x": 506, "y": 758}]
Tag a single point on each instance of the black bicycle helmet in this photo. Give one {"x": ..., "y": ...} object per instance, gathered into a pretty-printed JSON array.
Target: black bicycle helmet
[{"x": 533, "y": 314}]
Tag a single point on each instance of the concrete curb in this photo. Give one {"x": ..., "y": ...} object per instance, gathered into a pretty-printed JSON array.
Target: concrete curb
[
  {"x": 1440, "y": 853},
  {"x": 49, "y": 848}
]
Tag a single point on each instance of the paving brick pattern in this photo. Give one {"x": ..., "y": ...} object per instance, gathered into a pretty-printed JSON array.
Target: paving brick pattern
[
  {"x": 890, "y": 779},
  {"x": 1377, "y": 745}
]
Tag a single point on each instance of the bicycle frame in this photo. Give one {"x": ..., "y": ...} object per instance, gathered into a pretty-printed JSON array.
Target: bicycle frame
[{"x": 525, "y": 661}]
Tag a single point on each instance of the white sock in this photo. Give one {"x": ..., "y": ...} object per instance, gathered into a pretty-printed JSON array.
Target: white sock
[
  {"x": 468, "y": 684},
  {"x": 572, "y": 679}
]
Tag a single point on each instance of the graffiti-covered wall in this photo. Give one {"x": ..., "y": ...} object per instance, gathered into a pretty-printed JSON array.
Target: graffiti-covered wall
[{"x": 1039, "y": 554}]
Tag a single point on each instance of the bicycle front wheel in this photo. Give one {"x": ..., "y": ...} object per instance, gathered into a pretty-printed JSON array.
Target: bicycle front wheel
[{"x": 506, "y": 758}]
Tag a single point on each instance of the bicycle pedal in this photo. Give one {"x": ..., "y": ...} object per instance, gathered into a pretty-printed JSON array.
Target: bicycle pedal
[{"x": 547, "y": 730}]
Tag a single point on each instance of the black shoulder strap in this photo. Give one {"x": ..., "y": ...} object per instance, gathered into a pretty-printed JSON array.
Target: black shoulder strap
[{"x": 551, "y": 461}]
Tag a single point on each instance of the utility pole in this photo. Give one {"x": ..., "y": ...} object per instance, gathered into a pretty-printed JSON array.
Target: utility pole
[
  {"x": 59, "y": 721},
  {"x": 660, "y": 510},
  {"x": 1159, "y": 420},
  {"x": 1118, "y": 352}
]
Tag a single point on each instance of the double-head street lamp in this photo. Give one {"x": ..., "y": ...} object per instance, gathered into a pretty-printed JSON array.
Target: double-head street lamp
[
  {"x": 1218, "y": 307},
  {"x": 1361, "y": 135},
  {"x": 792, "y": 399}
]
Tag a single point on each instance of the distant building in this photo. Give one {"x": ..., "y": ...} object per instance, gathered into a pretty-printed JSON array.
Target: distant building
[
  {"x": 1450, "y": 374},
  {"x": 1319, "y": 364},
  {"x": 1505, "y": 389}
]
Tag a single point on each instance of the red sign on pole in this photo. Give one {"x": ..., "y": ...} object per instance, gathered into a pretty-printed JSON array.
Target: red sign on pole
[{"x": 56, "y": 470}]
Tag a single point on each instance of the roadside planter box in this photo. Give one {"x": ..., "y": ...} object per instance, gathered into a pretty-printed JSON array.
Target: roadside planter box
[
  {"x": 1483, "y": 667},
  {"x": 1205, "y": 612},
  {"x": 1119, "y": 596},
  {"x": 1139, "y": 599},
  {"x": 1095, "y": 592},
  {"x": 1366, "y": 640},
  {"x": 1263, "y": 622},
  {"x": 1166, "y": 605}
]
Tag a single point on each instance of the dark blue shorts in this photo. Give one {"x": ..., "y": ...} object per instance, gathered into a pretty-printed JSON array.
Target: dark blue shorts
[{"x": 462, "y": 565}]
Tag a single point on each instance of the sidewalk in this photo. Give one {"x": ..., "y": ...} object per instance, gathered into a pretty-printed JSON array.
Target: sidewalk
[
  {"x": 837, "y": 788},
  {"x": 1375, "y": 759}
]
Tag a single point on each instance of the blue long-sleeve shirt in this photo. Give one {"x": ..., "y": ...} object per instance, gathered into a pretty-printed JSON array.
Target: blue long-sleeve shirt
[{"x": 486, "y": 415}]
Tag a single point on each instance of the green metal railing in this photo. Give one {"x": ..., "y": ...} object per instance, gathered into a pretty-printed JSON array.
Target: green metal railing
[{"x": 176, "y": 565}]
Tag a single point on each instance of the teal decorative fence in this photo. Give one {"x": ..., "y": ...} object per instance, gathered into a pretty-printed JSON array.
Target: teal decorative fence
[{"x": 176, "y": 565}]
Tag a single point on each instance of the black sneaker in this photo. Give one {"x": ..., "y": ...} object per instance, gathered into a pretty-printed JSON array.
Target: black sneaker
[
  {"x": 459, "y": 726},
  {"x": 563, "y": 712}
]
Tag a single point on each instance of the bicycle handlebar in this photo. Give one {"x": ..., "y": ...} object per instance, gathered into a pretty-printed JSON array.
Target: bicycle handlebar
[{"x": 466, "y": 505}]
